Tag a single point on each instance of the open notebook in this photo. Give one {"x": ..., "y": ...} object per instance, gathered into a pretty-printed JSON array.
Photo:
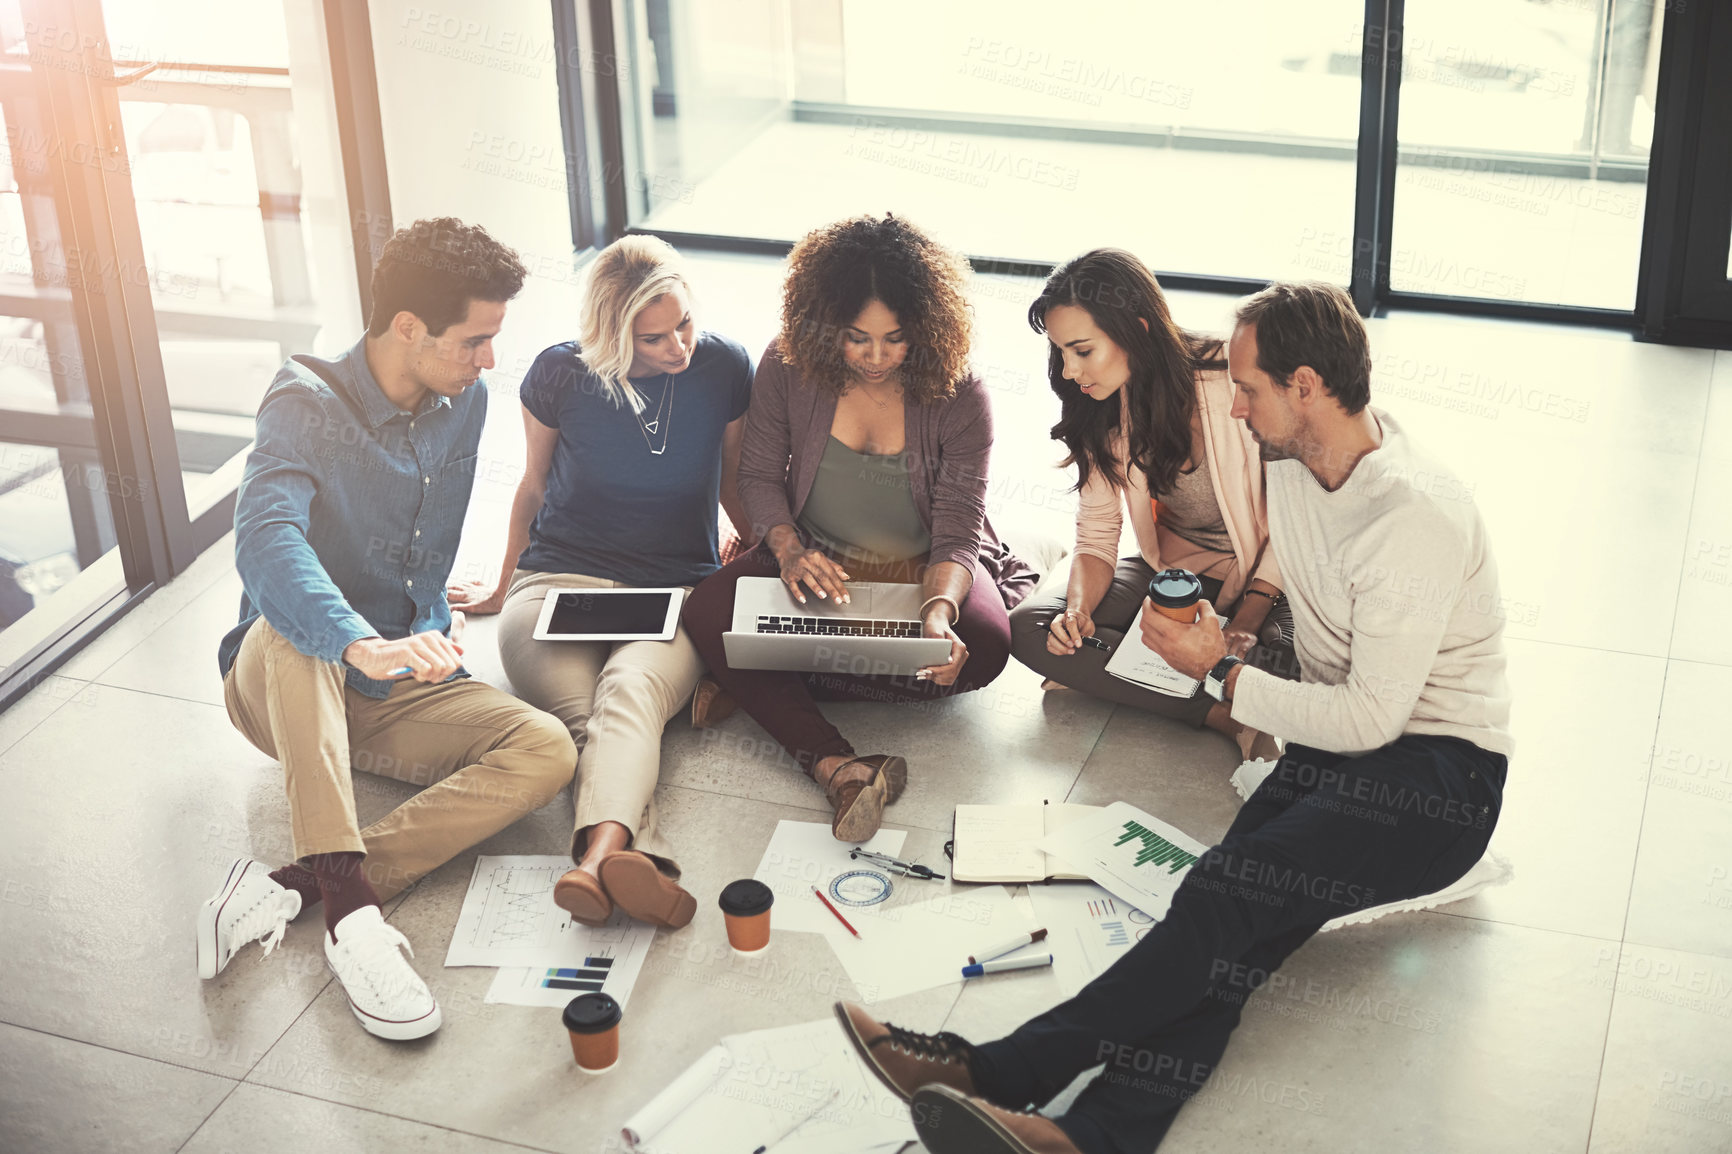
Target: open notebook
[{"x": 997, "y": 843}]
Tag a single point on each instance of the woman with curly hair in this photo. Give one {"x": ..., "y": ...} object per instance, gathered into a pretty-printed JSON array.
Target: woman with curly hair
[
  {"x": 1146, "y": 414},
  {"x": 865, "y": 458}
]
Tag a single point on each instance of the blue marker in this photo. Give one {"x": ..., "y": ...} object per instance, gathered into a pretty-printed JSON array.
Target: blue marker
[{"x": 1029, "y": 962}]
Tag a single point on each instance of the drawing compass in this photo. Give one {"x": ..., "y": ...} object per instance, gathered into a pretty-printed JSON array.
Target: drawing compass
[{"x": 896, "y": 865}]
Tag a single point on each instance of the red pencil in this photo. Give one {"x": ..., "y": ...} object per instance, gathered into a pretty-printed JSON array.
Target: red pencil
[{"x": 834, "y": 910}]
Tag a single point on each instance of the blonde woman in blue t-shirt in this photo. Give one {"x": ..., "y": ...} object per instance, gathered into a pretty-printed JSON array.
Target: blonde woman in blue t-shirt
[{"x": 633, "y": 436}]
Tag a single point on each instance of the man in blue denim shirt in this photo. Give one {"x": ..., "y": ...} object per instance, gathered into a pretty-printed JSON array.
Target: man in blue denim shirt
[{"x": 346, "y": 524}]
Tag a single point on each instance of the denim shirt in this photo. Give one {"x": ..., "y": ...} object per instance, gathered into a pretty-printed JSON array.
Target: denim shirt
[{"x": 349, "y": 513}]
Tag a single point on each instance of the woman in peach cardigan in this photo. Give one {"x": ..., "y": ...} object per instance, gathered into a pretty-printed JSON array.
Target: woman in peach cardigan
[{"x": 1145, "y": 412}]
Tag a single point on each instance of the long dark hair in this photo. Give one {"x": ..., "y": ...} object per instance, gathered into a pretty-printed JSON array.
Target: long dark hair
[{"x": 1121, "y": 294}]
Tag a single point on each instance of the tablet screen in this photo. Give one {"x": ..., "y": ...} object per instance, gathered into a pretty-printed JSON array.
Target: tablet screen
[{"x": 626, "y": 611}]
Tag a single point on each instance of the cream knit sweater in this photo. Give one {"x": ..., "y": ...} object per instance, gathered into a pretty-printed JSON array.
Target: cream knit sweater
[{"x": 1395, "y": 599}]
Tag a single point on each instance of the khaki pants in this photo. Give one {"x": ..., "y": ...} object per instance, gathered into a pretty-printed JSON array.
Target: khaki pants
[
  {"x": 485, "y": 757},
  {"x": 614, "y": 697}
]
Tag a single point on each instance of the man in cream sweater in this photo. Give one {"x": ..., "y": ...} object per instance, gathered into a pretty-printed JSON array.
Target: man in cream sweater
[{"x": 1390, "y": 786}]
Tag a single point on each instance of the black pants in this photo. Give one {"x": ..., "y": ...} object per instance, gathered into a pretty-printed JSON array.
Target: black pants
[
  {"x": 1120, "y": 612},
  {"x": 1324, "y": 835}
]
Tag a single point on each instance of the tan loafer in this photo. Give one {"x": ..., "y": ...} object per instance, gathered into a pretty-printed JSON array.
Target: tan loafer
[
  {"x": 581, "y": 896},
  {"x": 951, "y": 1122},
  {"x": 636, "y": 886}
]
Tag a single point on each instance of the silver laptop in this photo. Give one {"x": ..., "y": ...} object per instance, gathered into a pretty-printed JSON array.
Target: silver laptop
[{"x": 877, "y": 634}]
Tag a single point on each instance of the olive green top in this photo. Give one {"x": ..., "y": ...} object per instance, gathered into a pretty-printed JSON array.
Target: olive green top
[{"x": 861, "y": 507}]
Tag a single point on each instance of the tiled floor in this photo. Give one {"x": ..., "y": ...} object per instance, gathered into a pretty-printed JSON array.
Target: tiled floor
[{"x": 1585, "y": 1006}]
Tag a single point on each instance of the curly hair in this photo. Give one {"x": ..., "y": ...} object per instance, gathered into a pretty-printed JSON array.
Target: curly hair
[
  {"x": 435, "y": 267},
  {"x": 836, "y": 270}
]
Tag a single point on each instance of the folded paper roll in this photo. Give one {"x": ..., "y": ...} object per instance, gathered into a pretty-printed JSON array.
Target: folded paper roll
[{"x": 680, "y": 1093}]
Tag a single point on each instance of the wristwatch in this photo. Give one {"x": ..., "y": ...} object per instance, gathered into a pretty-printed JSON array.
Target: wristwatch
[{"x": 1216, "y": 681}]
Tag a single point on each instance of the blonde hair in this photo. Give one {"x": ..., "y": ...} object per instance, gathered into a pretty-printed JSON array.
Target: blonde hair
[{"x": 627, "y": 276}]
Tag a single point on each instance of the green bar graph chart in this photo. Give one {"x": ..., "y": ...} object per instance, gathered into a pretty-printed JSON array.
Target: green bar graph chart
[{"x": 1157, "y": 850}]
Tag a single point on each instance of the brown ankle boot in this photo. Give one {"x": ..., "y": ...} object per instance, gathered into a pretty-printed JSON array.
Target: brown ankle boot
[
  {"x": 858, "y": 800},
  {"x": 906, "y": 1061},
  {"x": 636, "y": 886},
  {"x": 951, "y": 1122},
  {"x": 894, "y": 769}
]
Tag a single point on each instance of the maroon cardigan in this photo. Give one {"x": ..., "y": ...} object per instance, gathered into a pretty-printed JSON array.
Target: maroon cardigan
[{"x": 948, "y": 446}]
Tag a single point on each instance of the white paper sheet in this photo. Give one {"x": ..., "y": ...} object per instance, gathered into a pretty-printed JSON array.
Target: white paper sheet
[
  {"x": 508, "y": 916},
  {"x": 602, "y": 959},
  {"x": 642, "y": 1129},
  {"x": 924, "y": 942},
  {"x": 1088, "y": 930},
  {"x": 509, "y": 920},
  {"x": 804, "y": 854},
  {"x": 1135, "y": 662},
  {"x": 1138, "y": 857},
  {"x": 771, "y": 1080}
]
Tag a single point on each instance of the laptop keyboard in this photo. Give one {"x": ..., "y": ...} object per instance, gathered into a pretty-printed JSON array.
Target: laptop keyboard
[{"x": 838, "y": 626}]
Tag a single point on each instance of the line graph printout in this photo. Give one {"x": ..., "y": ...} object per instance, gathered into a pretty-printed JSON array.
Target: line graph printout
[
  {"x": 508, "y": 916},
  {"x": 1135, "y": 856}
]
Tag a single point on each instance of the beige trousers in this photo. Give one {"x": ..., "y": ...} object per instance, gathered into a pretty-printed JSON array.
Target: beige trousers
[
  {"x": 614, "y": 697},
  {"x": 485, "y": 757}
]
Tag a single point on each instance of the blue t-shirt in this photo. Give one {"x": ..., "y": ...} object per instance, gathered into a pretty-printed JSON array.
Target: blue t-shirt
[{"x": 613, "y": 508}]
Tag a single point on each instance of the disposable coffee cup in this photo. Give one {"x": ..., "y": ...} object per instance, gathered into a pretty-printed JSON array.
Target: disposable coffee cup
[
  {"x": 593, "y": 1023},
  {"x": 746, "y": 909},
  {"x": 1175, "y": 593}
]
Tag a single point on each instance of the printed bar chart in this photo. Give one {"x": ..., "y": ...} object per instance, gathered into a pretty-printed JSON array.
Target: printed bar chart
[
  {"x": 1156, "y": 850},
  {"x": 592, "y": 978}
]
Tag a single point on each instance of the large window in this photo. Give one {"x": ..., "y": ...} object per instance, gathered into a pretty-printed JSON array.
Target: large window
[
  {"x": 1525, "y": 130},
  {"x": 1236, "y": 139},
  {"x": 173, "y": 224},
  {"x": 226, "y": 167}
]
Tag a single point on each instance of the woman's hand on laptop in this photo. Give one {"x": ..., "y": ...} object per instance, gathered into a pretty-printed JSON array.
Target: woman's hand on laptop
[
  {"x": 810, "y": 568},
  {"x": 937, "y": 624}
]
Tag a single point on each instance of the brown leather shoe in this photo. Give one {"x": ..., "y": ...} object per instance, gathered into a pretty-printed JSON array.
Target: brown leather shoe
[
  {"x": 636, "y": 886},
  {"x": 906, "y": 1061},
  {"x": 894, "y": 769},
  {"x": 711, "y": 704},
  {"x": 581, "y": 896},
  {"x": 951, "y": 1122}
]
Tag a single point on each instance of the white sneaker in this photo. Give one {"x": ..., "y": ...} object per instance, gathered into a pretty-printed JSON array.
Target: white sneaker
[
  {"x": 388, "y": 997},
  {"x": 250, "y": 907}
]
